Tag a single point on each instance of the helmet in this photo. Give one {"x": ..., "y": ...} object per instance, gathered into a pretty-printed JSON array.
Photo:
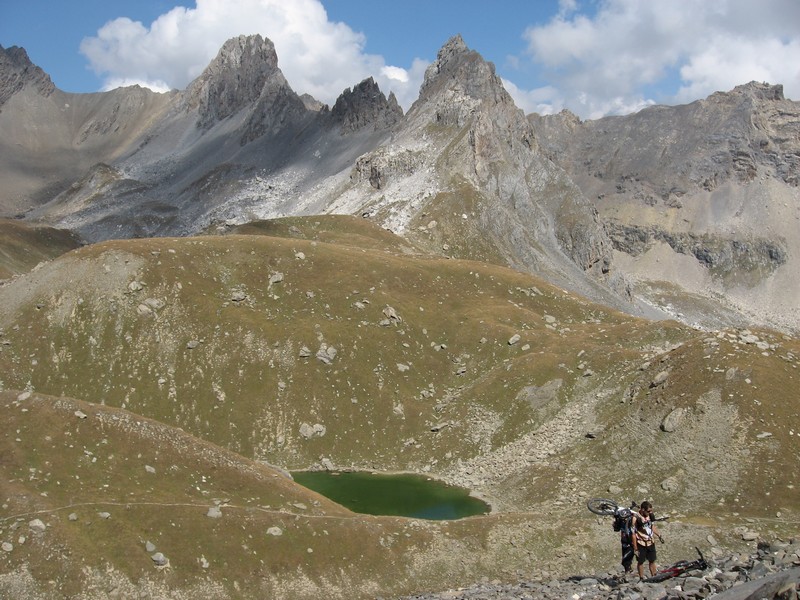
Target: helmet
[{"x": 623, "y": 513}]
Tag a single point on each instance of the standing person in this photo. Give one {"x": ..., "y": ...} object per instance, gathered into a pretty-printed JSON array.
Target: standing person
[
  {"x": 623, "y": 523},
  {"x": 644, "y": 545}
]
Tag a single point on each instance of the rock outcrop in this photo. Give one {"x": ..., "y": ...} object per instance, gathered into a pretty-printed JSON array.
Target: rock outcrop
[
  {"x": 771, "y": 573},
  {"x": 245, "y": 76},
  {"x": 17, "y": 71},
  {"x": 365, "y": 106},
  {"x": 470, "y": 158},
  {"x": 703, "y": 196}
]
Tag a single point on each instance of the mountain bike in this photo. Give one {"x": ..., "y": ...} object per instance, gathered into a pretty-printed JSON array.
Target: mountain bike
[
  {"x": 604, "y": 506},
  {"x": 608, "y": 508},
  {"x": 679, "y": 568}
]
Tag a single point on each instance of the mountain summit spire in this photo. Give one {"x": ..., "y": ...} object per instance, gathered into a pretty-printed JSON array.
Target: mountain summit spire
[
  {"x": 366, "y": 105},
  {"x": 462, "y": 71},
  {"x": 235, "y": 78},
  {"x": 17, "y": 71}
]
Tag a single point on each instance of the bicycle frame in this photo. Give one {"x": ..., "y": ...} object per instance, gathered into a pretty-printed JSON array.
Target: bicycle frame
[{"x": 679, "y": 568}]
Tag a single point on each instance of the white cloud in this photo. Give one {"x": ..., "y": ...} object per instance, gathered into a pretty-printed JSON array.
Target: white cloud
[
  {"x": 395, "y": 73},
  {"x": 545, "y": 101},
  {"x": 629, "y": 51},
  {"x": 317, "y": 56},
  {"x": 731, "y": 61}
]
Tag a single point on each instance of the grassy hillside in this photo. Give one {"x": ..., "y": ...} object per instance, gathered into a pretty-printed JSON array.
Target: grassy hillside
[
  {"x": 23, "y": 246},
  {"x": 304, "y": 340}
]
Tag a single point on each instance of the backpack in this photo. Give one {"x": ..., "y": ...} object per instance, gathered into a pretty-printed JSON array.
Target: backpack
[{"x": 622, "y": 520}]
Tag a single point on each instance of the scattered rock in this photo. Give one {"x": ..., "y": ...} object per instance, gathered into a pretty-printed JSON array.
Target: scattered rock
[
  {"x": 154, "y": 303},
  {"x": 670, "y": 484},
  {"x": 391, "y": 314},
  {"x": 673, "y": 420},
  {"x": 275, "y": 531},
  {"x": 149, "y": 469},
  {"x": 159, "y": 559},
  {"x": 326, "y": 353},
  {"x": 7, "y": 547},
  {"x": 37, "y": 526},
  {"x": 310, "y": 431},
  {"x": 80, "y": 414},
  {"x": 514, "y": 339},
  {"x": 73, "y": 516},
  {"x": 192, "y": 344},
  {"x": 214, "y": 512},
  {"x": 734, "y": 578},
  {"x": 150, "y": 547},
  {"x": 238, "y": 296},
  {"x": 659, "y": 379},
  {"x": 104, "y": 515}
]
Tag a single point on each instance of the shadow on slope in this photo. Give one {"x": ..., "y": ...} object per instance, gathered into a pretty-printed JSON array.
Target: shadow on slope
[{"x": 24, "y": 246}]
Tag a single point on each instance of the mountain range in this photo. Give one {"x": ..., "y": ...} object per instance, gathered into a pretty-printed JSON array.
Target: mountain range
[
  {"x": 657, "y": 213},
  {"x": 209, "y": 287}
]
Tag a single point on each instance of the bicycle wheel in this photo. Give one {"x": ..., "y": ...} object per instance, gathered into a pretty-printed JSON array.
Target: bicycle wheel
[{"x": 602, "y": 506}]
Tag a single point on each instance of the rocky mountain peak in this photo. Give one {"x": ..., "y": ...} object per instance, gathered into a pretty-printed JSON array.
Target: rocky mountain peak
[
  {"x": 366, "y": 105},
  {"x": 460, "y": 78},
  {"x": 236, "y": 78},
  {"x": 17, "y": 71},
  {"x": 760, "y": 91}
]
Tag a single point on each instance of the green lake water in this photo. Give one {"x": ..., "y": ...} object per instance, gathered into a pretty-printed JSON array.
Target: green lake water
[{"x": 398, "y": 495}]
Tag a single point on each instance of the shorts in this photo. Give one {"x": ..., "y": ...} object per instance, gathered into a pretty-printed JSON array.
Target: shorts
[{"x": 646, "y": 553}]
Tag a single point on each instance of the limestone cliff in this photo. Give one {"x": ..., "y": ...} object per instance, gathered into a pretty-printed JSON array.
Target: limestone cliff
[{"x": 703, "y": 196}]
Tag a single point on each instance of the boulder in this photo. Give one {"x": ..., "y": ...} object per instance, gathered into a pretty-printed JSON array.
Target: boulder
[{"x": 673, "y": 420}]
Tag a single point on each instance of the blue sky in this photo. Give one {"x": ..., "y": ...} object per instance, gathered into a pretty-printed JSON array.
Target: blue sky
[{"x": 595, "y": 57}]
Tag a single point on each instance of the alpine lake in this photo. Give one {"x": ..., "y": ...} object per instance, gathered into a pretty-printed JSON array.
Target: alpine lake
[{"x": 403, "y": 495}]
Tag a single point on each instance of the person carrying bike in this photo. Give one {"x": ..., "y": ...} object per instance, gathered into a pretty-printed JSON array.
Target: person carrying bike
[
  {"x": 623, "y": 523},
  {"x": 644, "y": 534}
]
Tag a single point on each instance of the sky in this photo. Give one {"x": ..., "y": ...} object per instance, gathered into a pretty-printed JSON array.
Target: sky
[{"x": 593, "y": 57}]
